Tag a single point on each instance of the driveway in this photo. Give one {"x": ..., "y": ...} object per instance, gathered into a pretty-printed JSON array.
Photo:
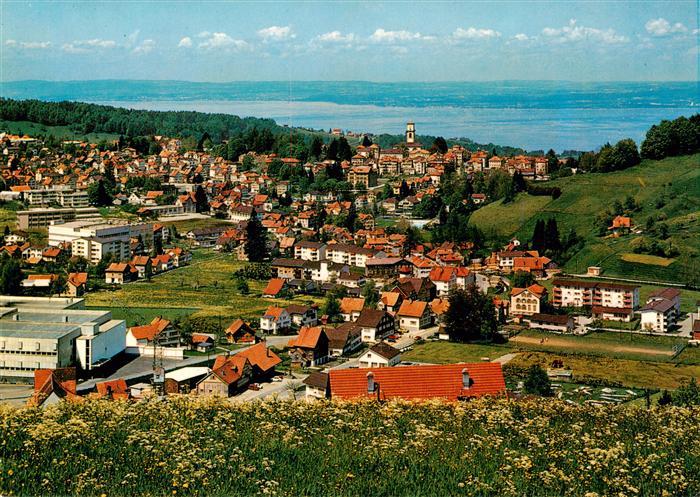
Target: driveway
[{"x": 408, "y": 339}]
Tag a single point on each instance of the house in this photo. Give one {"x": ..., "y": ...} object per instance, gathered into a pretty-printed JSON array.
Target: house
[
  {"x": 551, "y": 322},
  {"x": 113, "y": 389},
  {"x": 310, "y": 251},
  {"x": 76, "y": 284},
  {"x": 119, "y": 273},
  {"x": 262, "y": 360},
  {"x": 53, "y": 385},
  {"x": 202, "y": 342},
  {"x": 444, "y": 278},
  {"x": 380, "y": 355},
  {"x": 240, "y": 332},
  {"x": 390, "y": 301},
  {"x": 274, "y": 288},
  {"x": 383, "y": 267},
  {"x": 607, "y": 300},
  {"x": 351, "y": 307},
  {"x": 344, "y": 339},
  {"x": 182, "y": 380},
  {"x": 448, "y": 382},
  {"x": 310, "y": 348},
  {"x": 662, "y": 309},
  {"x": 275, "y": 320},
  {"x": 350, "y": 280},
  {"x": 416, "y": 289},
  {"x": 528, "y": 301},
  {"x": 620, "y": 225},
  {"x": 159, "y": 331},
  {"x": 302, "y": 315},
  {"x": 414, "y": 315},
  {"x": 317, "y": 386},
  {"x": 229, "y": 375},
  {"x": 376, "y": 325},
  {"x": 143, "y": 265}
]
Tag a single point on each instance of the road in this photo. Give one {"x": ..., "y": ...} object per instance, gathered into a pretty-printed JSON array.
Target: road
[
  {"x": 408, "y": 339},
  {"x": 142, "y": 367}
]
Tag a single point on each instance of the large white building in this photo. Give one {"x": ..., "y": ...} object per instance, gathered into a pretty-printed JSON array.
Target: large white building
[
  {"x": 95, "y": 239},
  {"x": 49, "y": 333}
]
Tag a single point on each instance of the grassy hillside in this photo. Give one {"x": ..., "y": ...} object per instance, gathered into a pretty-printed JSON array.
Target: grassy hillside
[
  {"x": 584, "y": 196},
  {"x": 189, "y": 446}
]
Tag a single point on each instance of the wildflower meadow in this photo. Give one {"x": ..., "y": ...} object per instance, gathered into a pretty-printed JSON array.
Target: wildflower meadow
[{"x": 190, "y": 446}]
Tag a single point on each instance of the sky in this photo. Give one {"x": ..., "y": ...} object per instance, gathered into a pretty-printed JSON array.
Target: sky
[{"x": 349, "y": 40}]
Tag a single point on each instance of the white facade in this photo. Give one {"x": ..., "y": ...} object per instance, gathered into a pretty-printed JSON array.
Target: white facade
[
  {"x": 94, "y": 239},
  {"x": 371, "y": 359},
  {"x": 271, "y": 325}
]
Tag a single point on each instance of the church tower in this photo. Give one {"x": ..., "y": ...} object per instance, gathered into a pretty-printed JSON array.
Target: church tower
[{"x": 410, "y": 133}]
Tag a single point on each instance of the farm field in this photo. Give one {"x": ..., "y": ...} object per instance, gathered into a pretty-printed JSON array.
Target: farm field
[
  {"x": 206, "y": 285},
  {"x": 482, "y": 447},
  {"x": 632, "y": 360},
  {"x": 676, "y": 179},
  {"x": 139, "y": 315}
]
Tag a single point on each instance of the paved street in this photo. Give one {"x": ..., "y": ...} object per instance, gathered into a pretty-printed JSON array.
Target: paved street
[{"x": 408, "y": 339}]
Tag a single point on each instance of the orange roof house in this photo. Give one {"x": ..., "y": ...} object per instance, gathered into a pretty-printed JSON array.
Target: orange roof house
[
  {"x": 412, "y": 308},
  {"x": 449, "y": 382},
  {"x": 274, "y": 287},
  {"x": 113, "y": 389},
  {"x": 52, "y": 385},
  {"x": 261, "y": 358},
  {"x": 240, "y": 332}
]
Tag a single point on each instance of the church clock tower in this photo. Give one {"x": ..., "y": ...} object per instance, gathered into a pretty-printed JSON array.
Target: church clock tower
[{"x": 410, "y": 133}]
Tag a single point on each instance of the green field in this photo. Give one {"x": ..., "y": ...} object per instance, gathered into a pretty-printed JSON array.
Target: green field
[
  {"x": 206, "y": 285},
  {"x": 631, "y": 360},
  {"x": 184, "y": 445},
  {"x": 139, "y": 315},
  {"x": 584, "y": 196}
]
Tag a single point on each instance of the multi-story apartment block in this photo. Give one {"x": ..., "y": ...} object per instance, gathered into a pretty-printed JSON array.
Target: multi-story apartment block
[{"x": 614, "y": 301}]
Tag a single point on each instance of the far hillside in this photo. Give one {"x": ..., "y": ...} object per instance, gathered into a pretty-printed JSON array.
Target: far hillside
[{"x": 667, "y": 191}]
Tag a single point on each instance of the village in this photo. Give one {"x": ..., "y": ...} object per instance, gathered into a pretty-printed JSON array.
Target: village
[{"x": 341, "y": 235}]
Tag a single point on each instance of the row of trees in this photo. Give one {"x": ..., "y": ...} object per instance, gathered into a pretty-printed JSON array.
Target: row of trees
[
  {"x": 616, "y": 157},
  {"x": 670, "y": 138}
]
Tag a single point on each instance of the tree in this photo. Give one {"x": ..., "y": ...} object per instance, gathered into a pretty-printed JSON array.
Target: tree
[
  {"x": 471, "y": 316},
  {"x": 404, "y": 191},
  {"x": 99, "y": 195},
  {"x": 665, "y": 399},
  {"x": 538, "y": 236},
  {"x": 331, "y": 308},
  {"x": 552, "y": 241},
  {"x": 10, "y": 277},
  {"x": 332, "y": 151},
  {"x": 370, "y": 293},
  {"x": 537, "y": 382},
  {"x": 366, "y": 142},
  {"x": 242, "y": 286},
  {"x": 316, "y": 148},
  {"x": 687, "y": 395},
  {"x": 256, "y": 239},
  {"x": 439, "y": 145},
  {"x": 344, "y": 149},
  {"x": 201, "y": 200},
  {"x": 552, "y": 161},
  {"x": 523, "y": 279}
]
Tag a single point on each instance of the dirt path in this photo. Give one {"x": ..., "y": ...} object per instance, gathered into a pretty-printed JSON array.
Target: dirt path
[{"x": 568, "y": 344}]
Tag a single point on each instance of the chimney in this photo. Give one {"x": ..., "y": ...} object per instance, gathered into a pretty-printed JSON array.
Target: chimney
[
  {"x": 370, "y": 382},
  {"x": 465, "y": 378}
]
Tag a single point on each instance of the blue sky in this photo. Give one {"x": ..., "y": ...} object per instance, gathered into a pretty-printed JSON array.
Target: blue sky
[{"x": 375, "y": 41}]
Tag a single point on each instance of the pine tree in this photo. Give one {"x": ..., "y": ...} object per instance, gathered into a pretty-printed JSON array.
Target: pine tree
[
  {"x": 201, "y": 200},
  {"x": 552, "y": 241},
  {"x": 256, "y": 239},
  {"x": 538, "y": 240}
]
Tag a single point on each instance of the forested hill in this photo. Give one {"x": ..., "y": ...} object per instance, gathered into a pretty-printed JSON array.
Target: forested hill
[{"x": 84, "y": 118}]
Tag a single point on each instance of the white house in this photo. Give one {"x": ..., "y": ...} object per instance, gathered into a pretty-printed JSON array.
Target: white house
[
  {"x": 275, "y": 320},
  {"x": 380, "y": 355}
]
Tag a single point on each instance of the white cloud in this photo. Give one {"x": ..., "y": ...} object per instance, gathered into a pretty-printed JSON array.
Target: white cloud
[
  {"x": 29, "y": 45},
  {"x": 185, "y": 42},
  {"x": 335, "y": 37},
  {"x": 132, "y": 39},
  {"x": 521, "y": 37},
  {"x": 87, "y": 45},
  {"x": 661, "y": 27},
  {"x": 145, "y": 47},
  {"x": 383, "y": 36},
  {"x": 472, "y": 33},
  {"x": 575, "y": 33},
  {"x": 220, "y": 41},
  {"x": 276, "y": 33}
]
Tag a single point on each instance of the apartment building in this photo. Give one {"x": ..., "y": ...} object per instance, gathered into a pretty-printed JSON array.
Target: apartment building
[
  {"x": 49, "y": 333},
  {"x": 607, "y": 300},
  {"x": 41, "y": 218},
  {"x": 95, "y": 239}
]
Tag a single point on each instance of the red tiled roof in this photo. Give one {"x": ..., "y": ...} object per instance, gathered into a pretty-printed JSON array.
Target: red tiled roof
[
  {"x": 261, "y": 356},
  {"x": 116, "y": 388},
  {"x": 274, "y": 286},
  {"x": 308, "y": 337},
  {"x": 412, "y": 308},
  {"x": 348, "y": 305},
  {"x": 420, "y": 382}
]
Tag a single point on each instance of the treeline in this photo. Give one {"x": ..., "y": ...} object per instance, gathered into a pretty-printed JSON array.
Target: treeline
[
  {"x": 616, "y": 157},
  {"x": 670, "y": 138},
  {"x": 84, "y": 118}
]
